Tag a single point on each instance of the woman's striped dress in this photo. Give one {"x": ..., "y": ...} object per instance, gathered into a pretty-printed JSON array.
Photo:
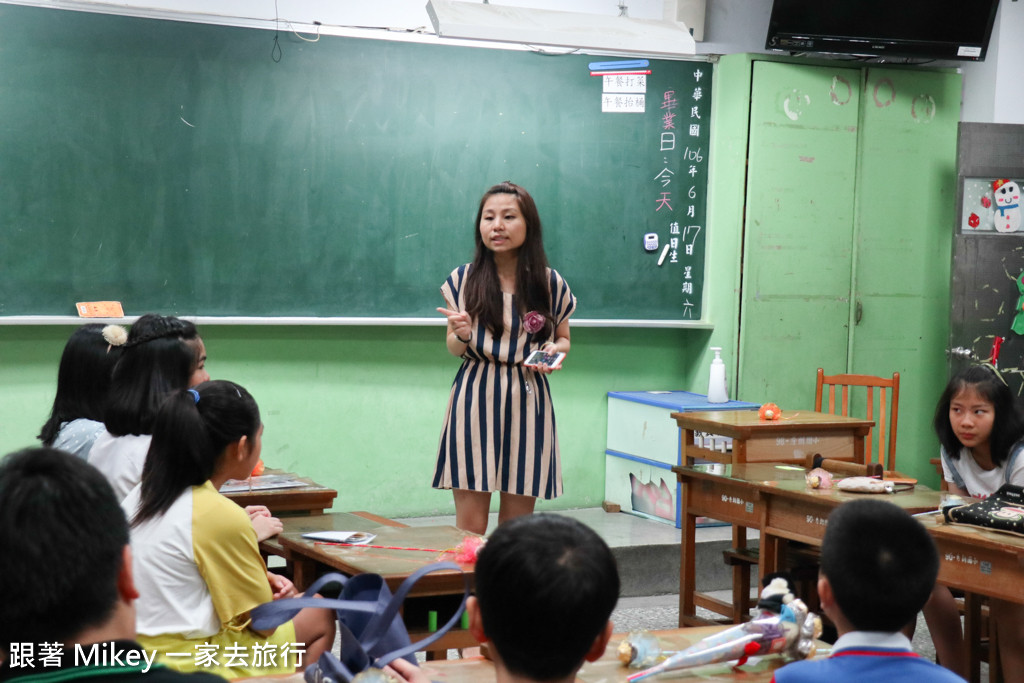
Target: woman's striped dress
[{"x": 499, "y": 430}]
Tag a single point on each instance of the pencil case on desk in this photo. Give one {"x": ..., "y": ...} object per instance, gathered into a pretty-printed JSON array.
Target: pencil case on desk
[{"x": 1001, "y": 511}]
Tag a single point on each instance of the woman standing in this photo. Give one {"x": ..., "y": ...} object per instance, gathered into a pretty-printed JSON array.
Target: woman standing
[{"x": 499, "y": 430}]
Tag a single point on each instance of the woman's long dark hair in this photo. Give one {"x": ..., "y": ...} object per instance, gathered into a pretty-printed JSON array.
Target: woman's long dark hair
[
  {"x": 83, "y": 380},
  {"x": 158, "y": 358},
  {"x": 1007, "y": 425},
  {"x": 483, "y": 288},
  {"x": 189, "y": 438}
]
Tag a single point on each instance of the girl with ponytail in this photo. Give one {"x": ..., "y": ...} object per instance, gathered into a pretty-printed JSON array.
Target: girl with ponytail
[{"x": 197, "y": 563}]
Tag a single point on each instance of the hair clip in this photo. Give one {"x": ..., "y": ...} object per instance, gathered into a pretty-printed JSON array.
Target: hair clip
[
  {"x": 995, "y": 371},
  {"x": 114, "y": 335},
  {"x": 195, "y": 395}
]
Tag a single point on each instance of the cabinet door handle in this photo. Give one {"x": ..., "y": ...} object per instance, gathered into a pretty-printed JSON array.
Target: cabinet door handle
[{"x": 858, "y": 312}]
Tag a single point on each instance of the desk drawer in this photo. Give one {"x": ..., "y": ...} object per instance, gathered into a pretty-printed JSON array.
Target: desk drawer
[{"x": 796, "y": 448}]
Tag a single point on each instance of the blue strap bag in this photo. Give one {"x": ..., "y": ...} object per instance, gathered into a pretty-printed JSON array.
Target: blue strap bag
[{"x": 371, "y": 628}]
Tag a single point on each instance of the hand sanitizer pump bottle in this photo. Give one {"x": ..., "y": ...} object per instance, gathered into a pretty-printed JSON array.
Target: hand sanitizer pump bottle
[{"x": 717, "y": 392}]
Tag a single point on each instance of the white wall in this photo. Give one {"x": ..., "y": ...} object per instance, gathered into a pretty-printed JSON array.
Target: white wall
[{"x": 993, "y": 90}]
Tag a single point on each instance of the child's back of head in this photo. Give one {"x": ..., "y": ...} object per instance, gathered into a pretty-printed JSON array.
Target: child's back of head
[
  {"x": 83, "y": 377},
  {"x": 546, "y": 586},
  {"x": 881, "y": 564},
  {"x": 63, "y": 536},
  {"x": 158, "y": 358}
]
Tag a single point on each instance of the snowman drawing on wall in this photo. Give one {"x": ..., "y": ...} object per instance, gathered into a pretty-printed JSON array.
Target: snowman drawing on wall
[{"x": 1007, "y": 208}]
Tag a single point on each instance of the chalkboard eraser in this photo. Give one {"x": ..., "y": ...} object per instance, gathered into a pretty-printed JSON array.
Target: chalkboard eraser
[{"x": 99, "y": 309}]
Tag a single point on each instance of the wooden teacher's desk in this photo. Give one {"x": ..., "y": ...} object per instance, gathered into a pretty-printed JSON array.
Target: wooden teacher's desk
[
  {"x": 791, "y": 439},
  {"x": 772, "y": 498}
]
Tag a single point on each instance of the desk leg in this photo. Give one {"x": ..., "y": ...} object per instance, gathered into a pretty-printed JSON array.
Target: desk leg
[
  {"x": 740, "y": 579},
  {"x": 972, "y": 636},
  {"x": 687, "y": 560},
  {"x": 687, "y": 444},
  {"x": 771, "y": 548},
  {"x": 303, "y": 572}
]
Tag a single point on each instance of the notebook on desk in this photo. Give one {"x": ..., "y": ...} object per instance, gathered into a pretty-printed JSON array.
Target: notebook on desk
[{"x": 262, "y": 482}]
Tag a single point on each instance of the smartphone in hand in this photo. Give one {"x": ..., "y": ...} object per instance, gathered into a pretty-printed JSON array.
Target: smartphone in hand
[{"x": 542, "y": 359}]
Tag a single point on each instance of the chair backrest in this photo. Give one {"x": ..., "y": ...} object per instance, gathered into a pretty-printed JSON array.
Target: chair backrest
[{"x": 844, "y": 397}]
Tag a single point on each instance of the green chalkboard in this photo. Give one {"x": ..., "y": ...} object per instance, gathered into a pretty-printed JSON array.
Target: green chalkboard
[{"x": 177, "y": 167}]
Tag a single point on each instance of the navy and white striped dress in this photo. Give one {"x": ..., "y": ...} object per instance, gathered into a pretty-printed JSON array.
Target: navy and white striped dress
[{"x": 499, "y": 429}]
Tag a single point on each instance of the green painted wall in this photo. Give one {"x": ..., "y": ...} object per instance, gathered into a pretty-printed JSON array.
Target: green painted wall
[{"x": 360, "y": 408}]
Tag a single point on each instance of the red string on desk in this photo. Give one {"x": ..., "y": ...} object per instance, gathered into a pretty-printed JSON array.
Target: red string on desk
[{"x": 385, "y": 547}]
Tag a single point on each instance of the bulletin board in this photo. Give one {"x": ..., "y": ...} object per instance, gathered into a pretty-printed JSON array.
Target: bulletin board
[{"x": 988, "y": 252}]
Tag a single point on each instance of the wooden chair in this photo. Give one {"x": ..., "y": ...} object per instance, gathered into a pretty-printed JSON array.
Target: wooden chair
[
  {"x": 843, "y": 398},
  {"x": 880, "y": 455}
]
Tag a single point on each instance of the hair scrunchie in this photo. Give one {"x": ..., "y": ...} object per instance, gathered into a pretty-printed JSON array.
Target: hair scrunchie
[{"x": 195, "y": 395}]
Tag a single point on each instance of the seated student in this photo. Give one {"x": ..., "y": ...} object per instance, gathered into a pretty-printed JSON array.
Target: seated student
[
  {"x": 162, "y": 354},
  {"x": 67, "y": 571},
  {"x": 196, "y": 559},
  {"x": 546, "y": 586},
  {"x": 83, "y": 380},
  {"x": 981, "y": 432},
  {"x": 878, "y": 567}
]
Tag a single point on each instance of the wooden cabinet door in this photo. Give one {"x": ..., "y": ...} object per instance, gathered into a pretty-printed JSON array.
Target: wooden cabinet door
[
  {"x": 798, "y": 238},
  {"x": 906, "y": 192}
]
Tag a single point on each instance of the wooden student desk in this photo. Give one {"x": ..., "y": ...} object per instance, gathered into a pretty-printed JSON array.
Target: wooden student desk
[
  {"x": 791, "y": 439},
  {"x": 980, "y": 563},
  {"x": 608, "y": 669},
  {"x": 438, "y": 591},
  {"x": 772, "y": 498},
  {"x": 310, "y": 499}
]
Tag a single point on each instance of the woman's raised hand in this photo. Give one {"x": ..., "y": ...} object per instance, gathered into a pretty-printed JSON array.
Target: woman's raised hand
[{"x": 459, "y": 322}]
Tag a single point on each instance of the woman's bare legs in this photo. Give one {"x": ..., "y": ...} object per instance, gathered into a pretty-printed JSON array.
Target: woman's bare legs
[
  {"x": 473, "y": 507},
  {"x": 471, "y": 510},
  {"x": 513, "y": 506}
]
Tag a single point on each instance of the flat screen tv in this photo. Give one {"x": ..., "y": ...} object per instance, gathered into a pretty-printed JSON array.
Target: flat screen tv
[{"x": 926, "y": 29}]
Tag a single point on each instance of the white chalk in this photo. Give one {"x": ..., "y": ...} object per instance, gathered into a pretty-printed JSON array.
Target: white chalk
[{"x": 664, "y": 253}]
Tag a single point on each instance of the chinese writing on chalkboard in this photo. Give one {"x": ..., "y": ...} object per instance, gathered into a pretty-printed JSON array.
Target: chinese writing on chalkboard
[{"x": 678, "y": 201}]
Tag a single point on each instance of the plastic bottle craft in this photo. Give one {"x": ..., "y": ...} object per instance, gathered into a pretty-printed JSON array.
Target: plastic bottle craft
[{"x": 784, "y": 626}]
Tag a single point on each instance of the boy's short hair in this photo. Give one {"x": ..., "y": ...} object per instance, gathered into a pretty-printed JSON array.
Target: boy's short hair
[
  {"x": 880, "y": 562},
  {"x": 546, "y": 586},
  {"x": 63, "y": 536}
]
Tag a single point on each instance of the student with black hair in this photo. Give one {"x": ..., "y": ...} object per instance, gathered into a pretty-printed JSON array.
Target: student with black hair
[
  {"x": 162, "y": 354},
  {"x": 67, "y": 574},
  {"x": 981, "y": 432},
  {"x": 83, "y": 382},
  {"x": 878, "y": 567},
  {"x": 197, "y": 562},
  {"x": 546, "y": 586}
]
